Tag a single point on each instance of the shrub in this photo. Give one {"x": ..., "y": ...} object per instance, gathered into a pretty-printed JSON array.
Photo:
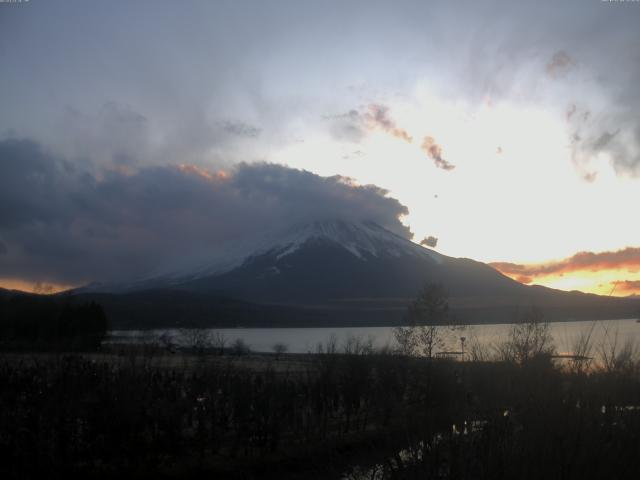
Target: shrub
[
  {"x": 280, "y": 349},
  {"x": 528, "y": 339},
  {"x": 240, "y": 347}
]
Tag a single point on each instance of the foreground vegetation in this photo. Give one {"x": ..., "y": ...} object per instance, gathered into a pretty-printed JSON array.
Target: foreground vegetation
[{"x": 395, "y": 416}]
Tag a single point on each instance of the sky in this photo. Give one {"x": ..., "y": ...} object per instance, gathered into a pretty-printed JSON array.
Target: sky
[{"x": 134, "y": 134}]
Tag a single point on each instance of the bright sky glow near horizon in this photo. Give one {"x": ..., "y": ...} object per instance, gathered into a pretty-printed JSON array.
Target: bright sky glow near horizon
[{"x": 509, "y": 132}]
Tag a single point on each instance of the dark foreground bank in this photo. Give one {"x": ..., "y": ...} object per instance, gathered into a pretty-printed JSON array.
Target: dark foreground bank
[{"x": 327, "y": 415}]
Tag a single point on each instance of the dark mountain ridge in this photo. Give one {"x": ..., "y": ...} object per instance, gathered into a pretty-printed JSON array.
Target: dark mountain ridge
[{"x": 336, "y": 273}]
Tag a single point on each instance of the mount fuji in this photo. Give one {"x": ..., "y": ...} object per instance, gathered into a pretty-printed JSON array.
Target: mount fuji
[
  {"x": 337, "y": 261},
  {"x": 324, "y": 261},
  {"x": 331, "y": 273}
]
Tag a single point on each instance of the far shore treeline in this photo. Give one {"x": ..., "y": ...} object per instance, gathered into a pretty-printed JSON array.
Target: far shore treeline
[
  {"x": 174, "y": 308},
  {"x": 50, "y": 323}
]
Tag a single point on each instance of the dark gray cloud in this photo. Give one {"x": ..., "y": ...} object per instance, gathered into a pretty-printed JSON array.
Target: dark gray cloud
[
  {"x": 604, "y": 140},
  {"x": 60, "y": 221},
  {"x": 115, "y": 133},
  {"x": 118, "y": 135},
  {"x": 241, "y": 129},
  {"x": 429, "y": 241},
  {"x": 610, "y": 134}
]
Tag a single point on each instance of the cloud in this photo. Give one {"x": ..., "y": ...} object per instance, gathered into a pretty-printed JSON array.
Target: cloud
[
  {"x": 627, "y": 258},
  {"x": 559, "y": 64},
  {"x": 589, "y": 177},
  {"x": 116, "y": 133},
  {"x": 63, "y": 223},
  {"x": 429, "y": 241},
  {"x": 627, "y": 286},
  {"x": 3, "y": 248},
  {"x": 523, "y": 279},
  {"x": 621, "y": 147},
  {"x": 349, "y": 126},
  {"x": 355, "y": 124},
  {"x": 603, "y": 140},
  {"x": 241, "y": 129},
  {"x": 434, "y": 151},
  {"x": 214, "y": 65},
  {"x": 377, "y": 116},
  {"x": 612, "y": 134}
]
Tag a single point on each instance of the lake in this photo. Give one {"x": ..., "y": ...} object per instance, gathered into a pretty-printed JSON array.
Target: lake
[{"x": 304, "y": 340}]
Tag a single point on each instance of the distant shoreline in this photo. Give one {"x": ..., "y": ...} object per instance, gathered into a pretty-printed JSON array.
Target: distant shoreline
[{"x": 359, "y": 325}]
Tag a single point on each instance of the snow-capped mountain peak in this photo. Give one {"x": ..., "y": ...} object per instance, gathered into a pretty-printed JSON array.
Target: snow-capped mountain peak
[{"x": 363, "y": 240}]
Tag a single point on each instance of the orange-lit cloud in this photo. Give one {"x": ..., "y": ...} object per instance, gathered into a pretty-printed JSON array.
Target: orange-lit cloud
[
  {"x": 615, "y": 272},
  {"x": 627, "y": 287},
  {"x": 203, "y": 172},
  {"x": 627, "y": 258},
  {"x": 434, "y": 151},
  {"x": 377, "y": 116}
]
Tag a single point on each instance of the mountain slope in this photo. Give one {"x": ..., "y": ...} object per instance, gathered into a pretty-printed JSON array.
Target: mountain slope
[
  {"x": 339, "y": 273},
  {"x": 329, "y": 261}
]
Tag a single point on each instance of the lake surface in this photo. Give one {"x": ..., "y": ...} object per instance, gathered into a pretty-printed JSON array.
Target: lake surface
[{"x": 305, "y": 340}]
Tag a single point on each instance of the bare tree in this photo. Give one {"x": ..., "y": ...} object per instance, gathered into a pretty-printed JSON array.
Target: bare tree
[
  {"x": 167, "y": 342},
  {"x": 240, "y": 347},
  {"x": 330, "y": 347},
  {"x": 426, "y": 315},
  {"x": 197, "y": 340},
  {"x": 280, "y": 349},
  {"x": 582, "y": 347},
  {"x": 356, "y": 345},
  {"x": 406, "y": 340},
  {"x": 218, "y": 341},
  {"x": 528, "y": 339},
  {"x": 476, "y": 350},
  {"x": 616, "y": 356}
]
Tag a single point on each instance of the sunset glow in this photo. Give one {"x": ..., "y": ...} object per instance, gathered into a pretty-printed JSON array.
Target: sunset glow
[
  {"x": 42, "y": 288},
  {"x": 605, "y": 273},
  {"x": 601, "y": 282}
]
